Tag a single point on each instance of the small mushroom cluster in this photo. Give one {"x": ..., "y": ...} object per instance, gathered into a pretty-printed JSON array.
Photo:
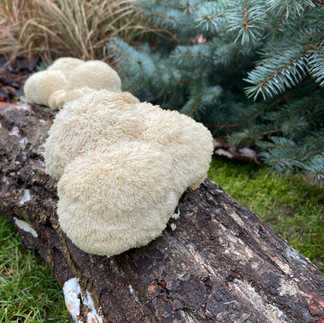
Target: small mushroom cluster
[
  {"x": 68, "y": 79},
  {"x": 122, "y": 165}
]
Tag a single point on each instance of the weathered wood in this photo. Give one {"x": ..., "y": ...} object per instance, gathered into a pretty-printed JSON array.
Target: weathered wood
[{"x": 221, "y": 264}]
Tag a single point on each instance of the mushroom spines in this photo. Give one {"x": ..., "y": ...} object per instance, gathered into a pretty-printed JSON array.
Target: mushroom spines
[
  {"x": 95, "y": 74},
  {"x": 76, "y": 77},
  {"x": 98, "y": 119},
  {"x": 113, "y": 198},
  {"x": 65, "y": 65},
  {"x": 41, "y": 85}
]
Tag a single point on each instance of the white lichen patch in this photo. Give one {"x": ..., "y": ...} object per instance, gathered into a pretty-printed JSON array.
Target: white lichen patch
[
  {"x": 71, "y": 291},
  {"x": 131, "y": 290},
  {"x": 73, "y": 298},
  {"x": 176, "y": 216},
  {"x": 92, "y": 316},
  {"x": 23, "y": 225},
  {"x": 249, "y": 252},
  {"x": 173, "y": 226},
  {"x": 25, "y": 198},
  {"x": 14, "y": 132},
  {"x": 287, "y": 289},
  {"x": 293, "y": 254}
]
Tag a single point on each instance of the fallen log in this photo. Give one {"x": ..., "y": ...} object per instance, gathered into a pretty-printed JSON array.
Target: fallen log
[{"x": 220, "y": 264}]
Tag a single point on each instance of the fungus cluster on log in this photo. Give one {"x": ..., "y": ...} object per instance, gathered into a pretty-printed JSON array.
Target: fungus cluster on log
[
  {"x": 222, "y": 264},
  {"x": 122, "y": 165}
]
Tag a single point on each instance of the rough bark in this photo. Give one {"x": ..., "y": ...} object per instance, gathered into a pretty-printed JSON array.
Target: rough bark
[{"x": 221, "y": 264}]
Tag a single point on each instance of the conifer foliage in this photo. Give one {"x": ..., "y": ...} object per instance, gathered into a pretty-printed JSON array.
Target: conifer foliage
[{"x": 252, "y": 70}]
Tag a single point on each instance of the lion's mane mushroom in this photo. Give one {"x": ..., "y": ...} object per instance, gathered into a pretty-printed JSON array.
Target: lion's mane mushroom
[
  {"x": 116, "y": 199},
  {"x": 122, "y": 165},
  {"x": 59, "y": 98},
  {"x": 102, "y": 118},
  {"x": 96, "y": 75},
  {"x": 96, "y": 120},
  {"x": 69, "y": 79},
  {"x": 187, "y": 141},
  {"x": 122, "y": 168},
  {"x": 41, "y": 85},
  {"x": 66, "y": 65}
]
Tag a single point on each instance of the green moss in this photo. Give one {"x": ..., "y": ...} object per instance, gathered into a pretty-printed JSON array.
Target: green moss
[
  {"x": 293, "y": 208},
  {"x": 28, "y": 291}
]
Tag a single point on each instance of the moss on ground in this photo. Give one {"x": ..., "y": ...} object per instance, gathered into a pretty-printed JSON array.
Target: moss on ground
[
  {"x": 28, "y": 292},
  {"x": 293, "y": 208}
]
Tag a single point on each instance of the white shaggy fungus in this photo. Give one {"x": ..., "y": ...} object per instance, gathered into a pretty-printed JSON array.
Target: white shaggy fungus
[
  {"x": 116, "y": 199},
  {"x": 122, "y": 168},
  {"x": 122, "y": 165},
  {"x": 41, "y": 85},
  {"x": 96, "y": 120},
  {"x": 59, "y": 98},
  {"x": 52, "y": 99},
  {"x": 66, "y": 65},
  {"x": 187, "y": 141},
  {"x": 96, "y": 75},
  {"x": 68, "y": 79},
  {"x": 102, "y": 118}
]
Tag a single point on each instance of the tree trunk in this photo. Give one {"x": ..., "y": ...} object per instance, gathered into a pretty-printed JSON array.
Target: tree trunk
[{"x": 220, "y": 264}]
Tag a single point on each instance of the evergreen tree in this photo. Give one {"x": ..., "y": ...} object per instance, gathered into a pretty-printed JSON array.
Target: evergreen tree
[{"x": 252, "y": 70}]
